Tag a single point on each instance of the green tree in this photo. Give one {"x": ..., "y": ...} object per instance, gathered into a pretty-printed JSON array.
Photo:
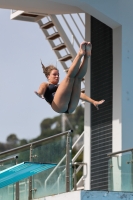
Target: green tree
[{"x": 12, "y": 139}]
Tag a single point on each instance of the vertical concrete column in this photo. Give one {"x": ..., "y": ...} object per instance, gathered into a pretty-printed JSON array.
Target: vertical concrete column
[
  {"x": 117, "y": 108},
  {"x": 87, "y": 128},
  {"x": 117, "y": 90}
]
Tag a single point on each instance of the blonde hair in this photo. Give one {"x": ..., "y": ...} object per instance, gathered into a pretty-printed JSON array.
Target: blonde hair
[{"x": 47, "y": 70}]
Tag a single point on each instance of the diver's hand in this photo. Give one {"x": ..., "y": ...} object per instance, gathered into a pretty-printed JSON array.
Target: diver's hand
[{"x": 41, "y": 96}]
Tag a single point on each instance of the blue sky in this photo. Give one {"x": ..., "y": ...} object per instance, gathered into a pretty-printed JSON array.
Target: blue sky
[{"x": 22, "y": 45}]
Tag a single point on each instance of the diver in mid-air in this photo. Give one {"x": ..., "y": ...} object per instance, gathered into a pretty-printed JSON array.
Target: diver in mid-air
[{"x": 64, "y": 97}]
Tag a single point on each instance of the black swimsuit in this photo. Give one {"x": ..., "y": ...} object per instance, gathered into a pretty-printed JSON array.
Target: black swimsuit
[{"x": 50, "y": 92}]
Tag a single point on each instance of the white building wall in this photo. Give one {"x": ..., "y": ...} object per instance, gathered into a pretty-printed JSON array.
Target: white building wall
[
  {"x": 91, "y": 195},
  {"x": 118, "y": 15},
  {"x": 87, "y": 127},
  {"x": 117, "y": 90}
]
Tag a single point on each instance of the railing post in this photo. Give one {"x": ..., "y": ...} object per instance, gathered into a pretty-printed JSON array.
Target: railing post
[
  {"x": 75, "y": 179},
  {"x": 68, "y": 149},
  {"x": 17, "y": 184},
  {"x": 30, "y": 178},
  {"x": 67, "y": 163}
]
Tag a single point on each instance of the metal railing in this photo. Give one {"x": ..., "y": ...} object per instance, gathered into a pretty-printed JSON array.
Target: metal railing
[
  {"x": 120, "y": 170},
  {"x": 34, "y": 143},
  {"x": 76, "y": 170},
  {"x": 73, "y": 161},
  {"x": 31, "y": 156},
  {"x": 17, "y": 183},
  {"x": 8, "y": 159},
  {"x": 119, "y": 152}
]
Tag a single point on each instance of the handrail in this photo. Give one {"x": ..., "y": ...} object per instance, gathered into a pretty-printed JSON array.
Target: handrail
[
  {"x": 70, "y": 29},
  {"x": 78, "y": 153},
  {"x": 7, "y": 159},
  {"x": 118, "y": 152},
  {"x": 81, "y": 19},
  {"x": 55, "y": 169},
  {"x": 78, "y": 140},
  {"x": 77, "y": 26},
  {"x": 36, "y": 142}
]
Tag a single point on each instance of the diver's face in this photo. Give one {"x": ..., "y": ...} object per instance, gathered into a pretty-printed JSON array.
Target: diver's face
[{"x": 54, "y": 77}]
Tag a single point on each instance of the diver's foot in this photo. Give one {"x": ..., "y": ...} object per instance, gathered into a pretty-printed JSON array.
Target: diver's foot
[
  {"x": 82, "y": 48},
  {"x": 88, "y": 48}
]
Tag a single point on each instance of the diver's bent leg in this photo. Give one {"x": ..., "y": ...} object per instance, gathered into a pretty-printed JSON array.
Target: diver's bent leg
[
  {"x": 84, "y": 65},
  {"x": 75, "y": 95},
  {"x": 68, "y": 93},
  {"x": 83, "y": 68},
  {"x": 74, "y": 68},
  {"x": 63, "y": 95}
]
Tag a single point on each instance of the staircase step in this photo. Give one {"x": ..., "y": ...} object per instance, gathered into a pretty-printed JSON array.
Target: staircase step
[
  {"x": 23, "y": 16},
  {"x": 59, "y": 47},
  {"x": 47, "y": 25},
  {"x": 29, "y": 15},
  {"x": 65, "y": 58},
  {"x": 53, "y": 36}
]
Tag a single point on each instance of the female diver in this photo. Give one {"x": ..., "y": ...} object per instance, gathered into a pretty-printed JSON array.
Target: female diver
[{"x": 64, "y": 97}]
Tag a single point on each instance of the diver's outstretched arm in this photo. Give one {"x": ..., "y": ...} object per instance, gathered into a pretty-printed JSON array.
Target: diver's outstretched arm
[
  {"x": 84, "y": 97},
  {"x": 41, "y": 90}
]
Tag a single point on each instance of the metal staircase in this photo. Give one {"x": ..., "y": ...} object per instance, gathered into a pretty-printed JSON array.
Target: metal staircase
[
  {"x": 56, "y": 33},
  {"x": 57, "y": 39}
]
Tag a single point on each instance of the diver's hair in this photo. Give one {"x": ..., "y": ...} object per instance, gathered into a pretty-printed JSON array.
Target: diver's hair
[{"x": 47, "y": 70}]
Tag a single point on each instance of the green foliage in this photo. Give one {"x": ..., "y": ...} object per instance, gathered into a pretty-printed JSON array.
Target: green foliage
[{"x": 53, "y": 126}]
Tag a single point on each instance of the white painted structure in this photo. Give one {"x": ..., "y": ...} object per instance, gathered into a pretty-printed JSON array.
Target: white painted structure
[
  {"x": 117, "y": 14},
  {"x": 92, "y": 195}
]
